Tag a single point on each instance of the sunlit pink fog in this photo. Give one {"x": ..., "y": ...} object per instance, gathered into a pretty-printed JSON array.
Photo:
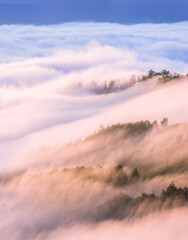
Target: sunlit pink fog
[{"x": 94, "y": 131}]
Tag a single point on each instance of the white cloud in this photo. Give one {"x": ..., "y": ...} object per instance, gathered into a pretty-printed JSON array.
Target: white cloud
[
  {"x": 42, "y": 67},
  {"x": 149, "y": 41},
  {"x": 46, "y": 98}
]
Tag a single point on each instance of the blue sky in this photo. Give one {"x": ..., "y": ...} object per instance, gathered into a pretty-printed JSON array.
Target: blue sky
[{"x": 119, "y": 11}]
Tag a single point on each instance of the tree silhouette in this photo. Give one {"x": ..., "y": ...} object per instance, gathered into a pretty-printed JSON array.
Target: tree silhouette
[{"x": 164, "y": 122}]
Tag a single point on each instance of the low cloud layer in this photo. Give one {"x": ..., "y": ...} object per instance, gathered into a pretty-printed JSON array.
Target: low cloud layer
[
  {"x": 58, "y": 83},
  {"x": 50, "y": 77},
  {"x": 167, "y": 42},
  {"x": 144, "y": 229}
]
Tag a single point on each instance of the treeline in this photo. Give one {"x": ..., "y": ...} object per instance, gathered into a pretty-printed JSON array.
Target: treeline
[
  {"x": 111, "y": 86},
  {"x": 164, "y": 76},
  {"x": 127, "y": 172},
  {"x": 129, "y": 129},
  {"x": 115, "y": 176},
  {"x": 122, "y": 206},
  {"x": 116, "y": 85},
  {"x": 107, "y": 87}
]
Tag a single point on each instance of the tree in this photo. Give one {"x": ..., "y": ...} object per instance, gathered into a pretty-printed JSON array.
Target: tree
[
  {"x": 135, "y": 175},
  {"x": 151, "y": 73},
  {"x": 119, "y": 167},
  {"x": 155, "y": 124},
  {"x": 165, "y": 72},
  {"x": 117, "y": 176},
  {"x": 175, "y": 193},
  {"x": 164, "y": 122}
]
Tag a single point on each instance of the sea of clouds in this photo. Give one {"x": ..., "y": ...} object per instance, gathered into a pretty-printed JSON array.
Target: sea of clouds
[
  {"x": 50, "y": 77},
  {"x": 43, "y": 67}
]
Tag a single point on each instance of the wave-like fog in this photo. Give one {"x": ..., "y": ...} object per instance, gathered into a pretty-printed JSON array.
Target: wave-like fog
[
  {"x": 58, "y": 84},
  {"x": 163, "y": 226}
]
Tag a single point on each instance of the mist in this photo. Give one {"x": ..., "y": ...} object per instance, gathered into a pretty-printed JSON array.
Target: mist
[{"x": 92, "y": 145}]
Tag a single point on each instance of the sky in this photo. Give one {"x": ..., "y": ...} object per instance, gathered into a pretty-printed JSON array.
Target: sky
[{"x": 118, "y": 11}]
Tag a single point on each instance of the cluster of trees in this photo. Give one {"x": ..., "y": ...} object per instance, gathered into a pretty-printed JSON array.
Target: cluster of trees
[
  {"x": 119, "y": 178},
  {"x": 175, "y": 193},
  {"x": 151, "y": 73},
  {"x": 122, "y": 206},
  {"x": 108, "y": 86},
  {"x": 116, "y": 85},
  {"x": 168, "y": 77},
  {"x": 114, "y": 176},
  {"x": 165, "y": 76},
  {"x": 130, "y": 129},
  {"x": 163, "y": 123}
]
